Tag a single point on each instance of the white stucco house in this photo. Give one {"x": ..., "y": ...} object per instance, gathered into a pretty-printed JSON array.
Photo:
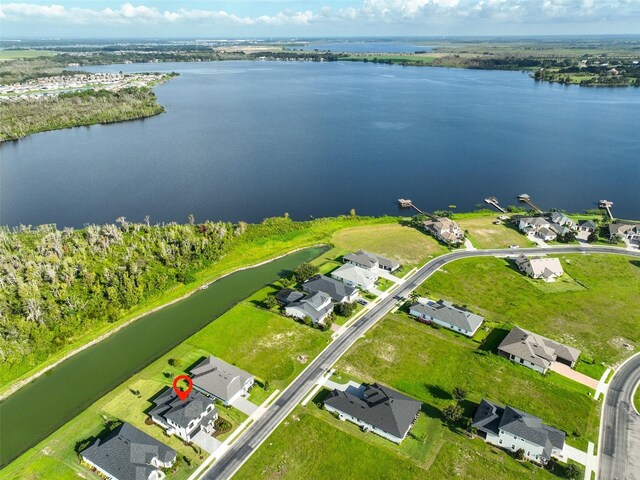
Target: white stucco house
[
  {"x": 446, "y": 315},
  {"x": 184, "y": 418},
  {"x": 546, "y": 268},
  {"x": 355, "y": 276}
]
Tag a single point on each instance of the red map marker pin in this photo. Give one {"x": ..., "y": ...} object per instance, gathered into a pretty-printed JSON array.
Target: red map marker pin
[{"x": 182, "y": 394}]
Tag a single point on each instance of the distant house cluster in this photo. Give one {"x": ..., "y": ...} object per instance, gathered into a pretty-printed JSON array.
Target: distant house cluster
[
  {"x": 535, "y": 351},
  {"x": 514, "y": 429},
  {"x": 445, "y": 230},
  {"x": 546, "y": 268},
  {"x": 443, "y": 313},
  {"x": 377, "y": 409}
]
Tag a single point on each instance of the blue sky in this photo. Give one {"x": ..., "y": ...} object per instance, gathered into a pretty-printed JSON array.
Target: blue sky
[{"x": 289, "y": 18}]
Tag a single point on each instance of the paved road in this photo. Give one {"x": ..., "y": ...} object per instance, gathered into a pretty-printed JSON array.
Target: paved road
[
  {"x": 620, "y": 442},
  {"x": 258, "y": 431}
]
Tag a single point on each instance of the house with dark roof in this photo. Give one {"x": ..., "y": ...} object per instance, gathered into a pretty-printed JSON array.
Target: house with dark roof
[
  {"x": 371, "y": 261},
  {"x": 355, "y": 276},
  {"x": 446, "y": 315},
  {"x": 535, "y": 351},
  {"x": 338, "y": 291},
  {"x": 561, "y": 219},
  {"x": 514, "y": 429},
  {"x": 220, "y": 379},
  {"x": 287, "y": 296},
  {"x": 587, "y": 226},
  {"x": 127, "y": 453},
  {"x": 379, "y": 409},
  {"x": 317, "y": 306},
  {"x": 184, "y": 418}
]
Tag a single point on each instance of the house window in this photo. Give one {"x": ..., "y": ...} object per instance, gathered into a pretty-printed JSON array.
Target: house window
[{"x": 500, "y": 442}]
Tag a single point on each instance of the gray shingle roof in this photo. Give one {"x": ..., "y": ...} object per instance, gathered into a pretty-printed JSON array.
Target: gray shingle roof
[
  {"x": 446, "y": 312},
  {"x": 169, "y": 406},
  {"x": 535, "y": 348},
  {"x": 384, "y": 408},
  {"x": 126, "y": 453},
  {"x": 587, "y": 224},
  {"x": 287, "y": 296},
  {"x": 491, "y": 417},
  {"x": 335, "y": 289},
  {"x": 368, "y": 259},
  {"x": 314, "y": 306},
  {"x": 219, "y": 378}
]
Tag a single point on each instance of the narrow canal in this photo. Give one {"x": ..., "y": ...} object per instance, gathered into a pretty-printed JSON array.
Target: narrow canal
[{"x": 39, "y": 408}]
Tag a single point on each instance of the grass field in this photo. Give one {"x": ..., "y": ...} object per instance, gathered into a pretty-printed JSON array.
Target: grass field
[
  {"x": 263, "y": 343},
  {"x": 484, "y": 234},
  {"x": 404, "y": 244},
  {"x": 636, "y": 398},
  {"x": 13, "y": 54},
  {"x": 599, "y": 316},
  {"x": 427, "y": 363}
]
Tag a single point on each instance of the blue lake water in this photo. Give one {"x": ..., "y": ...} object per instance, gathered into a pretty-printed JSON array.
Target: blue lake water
[{"x": 247, "y": 140}]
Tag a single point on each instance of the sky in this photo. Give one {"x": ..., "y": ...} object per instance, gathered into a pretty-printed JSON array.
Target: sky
[{"x": 308, "y": 18}]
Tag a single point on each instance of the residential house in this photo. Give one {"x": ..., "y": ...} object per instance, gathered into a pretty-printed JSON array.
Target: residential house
[
  {"x": 338, "y": 291},
  {"x": 184, "y": 418},
  {"x": 379, "y": 409},
  {"x": 547, "y": 268},
  {"x": 535, "y": 351},
  {"x": 587, "y": 226},
  {"x": 355, "y": 276},
  {"x": 444, "y": 229},
  {"x": 317, "y": 306},
  {"x": 546, "y": 233},
  {"x": 371, "y": 261},
  {"x": 558, "y": 229},
  {"x": 562, "y": 219},
  {"x": 220, "y": 379},
  {"x": 445, "y": 314},
  {"x": 287, "y": 296},
  {"x": 127, "y": 453},
  {"x": 532, "y": 224},
  {"x": 514, "y": 429},
  {"x": 627, "y": 232}
]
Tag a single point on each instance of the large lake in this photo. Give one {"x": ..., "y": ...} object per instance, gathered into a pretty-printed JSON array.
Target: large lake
[{"x": 247, "y": 140}]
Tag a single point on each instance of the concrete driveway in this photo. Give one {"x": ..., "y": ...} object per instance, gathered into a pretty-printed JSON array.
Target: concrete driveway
[
  {"x": 244, "y": 405},
  {"x": 567, "y": 371},
  {"x": 206, "y": 441}
]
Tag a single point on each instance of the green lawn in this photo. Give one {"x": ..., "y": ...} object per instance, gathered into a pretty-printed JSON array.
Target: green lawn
[
  {"x": 427, "y": 363},
  {"x": 404, "y": 244},
  {"x": 13, "y": 54},
  {"x": 636, "y": 398},
  {"x": 599, "y": 314},
  {"x": 261, "y": 342},
  {"x": 483, "y": 233}
]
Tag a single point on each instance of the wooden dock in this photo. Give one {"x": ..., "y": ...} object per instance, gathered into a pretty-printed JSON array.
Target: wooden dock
[
  {"x": 607, "y": 204},
  {"x": 494, "y": 202},
  {"x": 404, "y": 203},
  {"x": 525, "y": 198}
]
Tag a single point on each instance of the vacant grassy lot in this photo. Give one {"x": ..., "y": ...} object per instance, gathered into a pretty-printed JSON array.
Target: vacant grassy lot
[
  {"x": 404, "y": 244},
  {"x": 264, "y": 343},
  {"x": 484, "y": 234},
  {"x": 313, "y": 444},
  {"x": 428, "y": 363},
  {"x": 600, "y": 315}
]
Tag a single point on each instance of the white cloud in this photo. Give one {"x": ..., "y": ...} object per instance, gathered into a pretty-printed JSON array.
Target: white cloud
[{"x": 370, "y": 11}]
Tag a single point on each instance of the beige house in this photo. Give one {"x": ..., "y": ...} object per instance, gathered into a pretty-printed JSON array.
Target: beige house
[
  {"x": 445, "y": 229},
  {"x": 547, "y": 268}
]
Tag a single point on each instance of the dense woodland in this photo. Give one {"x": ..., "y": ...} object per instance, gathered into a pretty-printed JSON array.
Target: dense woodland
[
  {"x": 19, "y": 119},
  {"x": 56, "y": 284}
]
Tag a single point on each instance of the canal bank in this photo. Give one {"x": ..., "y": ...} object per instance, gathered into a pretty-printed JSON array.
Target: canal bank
[{"x": 40, "y": 407}]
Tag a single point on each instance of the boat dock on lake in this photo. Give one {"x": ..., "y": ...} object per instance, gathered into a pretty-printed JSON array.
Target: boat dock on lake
[
  {"x": 405, "y": 203},
  {"x": 606, "y": 204},
  {"x": 525, "y": 198},
  {"x": 494, "y": 202}
]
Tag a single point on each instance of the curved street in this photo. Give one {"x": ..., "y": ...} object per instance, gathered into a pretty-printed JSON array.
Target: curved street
[
  {"x": 620, "y": 431},
  {"x": 257, "y": 432}
]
